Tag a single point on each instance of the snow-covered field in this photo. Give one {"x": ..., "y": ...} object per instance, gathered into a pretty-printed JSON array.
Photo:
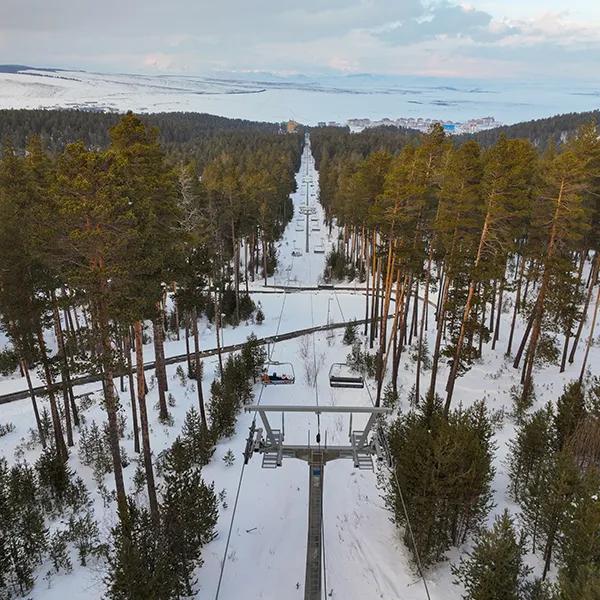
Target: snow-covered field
[
  {"x": 266, "y": 97},
  {"x": 364, "y": 555}
]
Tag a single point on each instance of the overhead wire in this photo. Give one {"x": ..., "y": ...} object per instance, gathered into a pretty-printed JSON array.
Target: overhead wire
[{"x": 406, "y": 516}]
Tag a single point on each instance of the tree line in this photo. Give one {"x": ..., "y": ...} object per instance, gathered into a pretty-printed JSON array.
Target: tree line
[{"x": 489, "y": 230}]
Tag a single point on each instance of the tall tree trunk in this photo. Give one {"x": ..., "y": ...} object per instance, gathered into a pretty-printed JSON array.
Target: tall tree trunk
[
  {"x": 65, "y": 391},
  {"x": 36, "y": 413},
  {"x": 422, "y": 327},
  {"x": 493, "y": 306},
  {"x": 161, "y": 373},
  {"x": 236, "y": 270},
  {"x": 376, "y": 323},
  {"x": 588, "y": 297},
  {"x": 467, "y": 311},
  {"x": 590, "y": 338},
  {"x": 368, "y": 271},
  {"x": 134, "y": 419},
  {"x": 438, "y": 338},
  {"x": 498, "y": 314},
  {"x": 393, "y": 338},
  {"x": 246, "y": 264},
  {"x": 387, "y": 294},
  {"x": 62, "y": 347},
  {"x": 404, "y": 292},
  {"x": 198, "y": 369},
  {"x": 187, "y": 347},
  {"x": 516, "y": 308},
  {"x": 266, "y": 273},
  {"x": 481, "y": 326},
  {"x": 523, "y": 343},
  {"x": 538, "y": 312},
  {"x": 59, "y": 439},
  {"x": 110, "y": 404},
  {"x": 141, "y": 392},
  {"x": 415, "y": 315},
  {"x": 176, "y": 309},
  {"x": 218, "y": 332},
  {"x": 373, "y": 287}
]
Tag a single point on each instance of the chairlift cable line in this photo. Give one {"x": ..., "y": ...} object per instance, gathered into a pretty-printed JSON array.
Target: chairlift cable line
[
  {"x": 339, "y": 304},
  {"x": 408, "y": 524}
]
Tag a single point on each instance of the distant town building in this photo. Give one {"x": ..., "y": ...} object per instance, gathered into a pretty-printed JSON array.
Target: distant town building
[
  {"x": 321, "y": 124},
  {"x": 425, "y": 124},
  {"x": 292, "y": 126}
]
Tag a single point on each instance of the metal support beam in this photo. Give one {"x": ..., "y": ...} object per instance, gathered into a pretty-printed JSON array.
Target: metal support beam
[
  {"x": 269, "y": 431},
  {"x": 362, "y": 442},
  {"x": 264, "y": 408}
]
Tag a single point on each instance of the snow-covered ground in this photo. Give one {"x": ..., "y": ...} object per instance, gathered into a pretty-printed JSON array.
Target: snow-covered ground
[
  {"x": 309, "y": 100},
  {"x": 364, "y": 555}
]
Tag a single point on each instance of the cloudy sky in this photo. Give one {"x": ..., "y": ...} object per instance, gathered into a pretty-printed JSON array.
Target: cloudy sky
[{"x": 481, "y": 38}]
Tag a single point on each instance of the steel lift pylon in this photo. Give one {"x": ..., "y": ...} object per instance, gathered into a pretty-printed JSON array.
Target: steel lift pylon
[{"x": 363, "y": 445}]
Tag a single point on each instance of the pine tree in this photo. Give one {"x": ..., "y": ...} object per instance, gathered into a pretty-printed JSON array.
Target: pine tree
[
  {"x": 579, "y": 541},
  {"x": 23, "y": 535},
  {"x": 443, "y": 468},
  {"x": 494, "y": 569},
  {"x": 530, "y": 451},
  {"x": 570, "y": 410},
  {"x": 545, "y": 504},
  {"x": 139, "y": 561},
  {"x": 253, "y": 357},
  {"x": 559, "y": 225},
  {"x": 585, "y": 585},
  {"x": 189, "y": 513},
  {"x": 506, "y": 182},
  {"x": 196, "y": 438},
  {"x": 350, "y": 333}
]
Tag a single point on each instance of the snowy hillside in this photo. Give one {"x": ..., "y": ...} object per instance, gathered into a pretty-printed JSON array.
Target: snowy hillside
[{"x": 265, "y": 97}]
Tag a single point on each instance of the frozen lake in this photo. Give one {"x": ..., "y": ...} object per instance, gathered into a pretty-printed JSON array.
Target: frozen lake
[{"x": 308, "y": 100}]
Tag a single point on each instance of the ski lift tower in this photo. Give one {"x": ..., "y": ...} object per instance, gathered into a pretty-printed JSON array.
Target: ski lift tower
[
  {"x": 307, "y": 210},
  {"x": 363, "y": 445}
]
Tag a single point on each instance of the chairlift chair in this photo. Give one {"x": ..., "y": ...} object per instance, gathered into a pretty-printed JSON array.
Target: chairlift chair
[
  {"x": 342, "y": 376},
  {"x": 286, "y": 374}
]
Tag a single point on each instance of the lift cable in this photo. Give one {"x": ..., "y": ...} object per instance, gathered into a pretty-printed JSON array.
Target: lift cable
[{"x": 408, "y": 524}]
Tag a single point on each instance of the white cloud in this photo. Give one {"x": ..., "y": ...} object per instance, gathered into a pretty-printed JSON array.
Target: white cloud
[{"x": 487, "y": 38}]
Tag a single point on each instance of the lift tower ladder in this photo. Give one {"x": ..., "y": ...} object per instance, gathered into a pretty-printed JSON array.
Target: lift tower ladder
[{"x": 361, "y": 448}]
